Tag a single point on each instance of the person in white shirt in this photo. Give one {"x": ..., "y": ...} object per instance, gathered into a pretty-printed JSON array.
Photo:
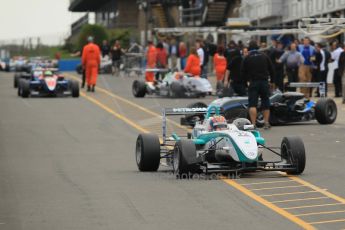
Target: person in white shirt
[
  {"x": 201, "y": 54},
  {"x": 335, "y": 54}
]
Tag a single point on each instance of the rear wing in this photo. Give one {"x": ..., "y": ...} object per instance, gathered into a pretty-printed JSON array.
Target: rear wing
[
  {"x": 186, "y": 111},
  {"x": 320, "y": 85},
  {"x": 156, "y": 70}
]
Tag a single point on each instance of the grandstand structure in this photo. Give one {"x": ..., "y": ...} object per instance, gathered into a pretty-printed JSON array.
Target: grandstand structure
[{"x": 145, "y": 15}]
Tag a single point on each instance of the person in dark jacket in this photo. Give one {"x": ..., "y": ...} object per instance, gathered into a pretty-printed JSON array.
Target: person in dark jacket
[
  {"x": 116, "y": 54},
  {"x": 105, "y": 48},
  {"x": 258, "y": 70},
  {"x": 278, "y": 67},
  {"x": 233, "y": 77}
]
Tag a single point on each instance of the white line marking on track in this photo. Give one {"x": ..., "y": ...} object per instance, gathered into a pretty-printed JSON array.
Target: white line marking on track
[{"x": 26, "y": 103}]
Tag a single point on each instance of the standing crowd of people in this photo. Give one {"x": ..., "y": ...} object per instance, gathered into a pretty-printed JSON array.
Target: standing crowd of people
[
  {"x": 300, "y": 61},
  {"x": 255, "y": 70}
]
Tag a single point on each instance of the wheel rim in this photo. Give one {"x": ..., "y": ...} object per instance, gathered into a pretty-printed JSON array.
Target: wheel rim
[
  {"x": 138, "y": 152},
  {"x": 176, "y": 159}
]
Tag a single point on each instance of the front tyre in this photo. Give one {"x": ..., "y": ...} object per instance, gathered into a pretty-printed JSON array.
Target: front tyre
[
  {"x": 138, "y": 88},
  {"x": 184, "y": 151},
  {"x": 147, "y": 152},
  {"x": 293, "y": 151},
  {"x": 74, "y": 88},
  {"x": 24, "y": 88},
  {"x": 326, "y": 111}
]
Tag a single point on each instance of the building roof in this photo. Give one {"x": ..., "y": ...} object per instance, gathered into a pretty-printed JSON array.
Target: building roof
[{"x": 86, "y": 5}]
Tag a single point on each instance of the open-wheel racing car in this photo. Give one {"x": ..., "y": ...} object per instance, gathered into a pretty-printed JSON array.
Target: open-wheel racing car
[
  {"x": 285, "y": 108},
  {"x": 215, "y": 146},
  {"x": 173, "y": 85},
  {"x": 46, "y": 83}
]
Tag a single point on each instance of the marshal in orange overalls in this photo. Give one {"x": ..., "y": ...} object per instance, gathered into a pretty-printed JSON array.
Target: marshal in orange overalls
[
  {"x": 151, "y": 59},
  {"x": 219, "y": 62},
  {"x": 193, "y": 65},
  {"x": 91, "y": 60}
]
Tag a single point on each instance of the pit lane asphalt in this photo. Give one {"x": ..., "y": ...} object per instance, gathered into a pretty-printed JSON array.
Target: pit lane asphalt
[{"x": 68, "y": 164}]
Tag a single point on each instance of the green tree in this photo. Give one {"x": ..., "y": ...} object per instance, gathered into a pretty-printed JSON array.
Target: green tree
[{"x": 98, "y": 32}]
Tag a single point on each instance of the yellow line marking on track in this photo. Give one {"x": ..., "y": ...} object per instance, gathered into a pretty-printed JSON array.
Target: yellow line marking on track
[
  {"x": 291, "y": 186},
  {"x": 320, "y": 190},
  {"x": 302, "y": 199},
  {"x": 328, "y": 221},
  {"x": 320, "y": 213},
  {"x": 286, "y": 193},
  {"x": 267, "y": 182},
  {"x": 311, "y": 206},
  {"x": 131, "y": 103},
  {"x": 233, "y": 183},
  {"x": 117, "y": 115},
  {"x": 268, "y": 204}
]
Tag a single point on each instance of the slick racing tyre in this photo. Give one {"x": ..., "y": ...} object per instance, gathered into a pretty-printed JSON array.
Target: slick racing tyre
[
  {"x": 74, "y": 88},
  {"x": 293, "y": 151},
  {"x": 24, "y": 88},
  {"x": 138, "y": 88},
  {"x": 79, "y": 69},
  {"x": 184, "y": 151},
  {"x": 176, "y": 90},
  {"x": 326, "y": 111},
  {"x": 16, "y": 80},
  {"x": 147, "y": 152}
]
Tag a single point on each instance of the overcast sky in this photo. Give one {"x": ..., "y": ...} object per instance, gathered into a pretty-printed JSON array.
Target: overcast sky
[{"x": 45, "y": 18}]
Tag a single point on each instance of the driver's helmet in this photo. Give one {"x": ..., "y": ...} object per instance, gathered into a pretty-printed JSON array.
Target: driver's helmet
[
  {"x": 241, "y": 122},
  {"x": 218, "y": 123},
  {"x": 48, "y": 73}
]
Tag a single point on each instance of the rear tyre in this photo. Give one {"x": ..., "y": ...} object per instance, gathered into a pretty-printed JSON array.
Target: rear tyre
[
  {"x": 147, "y": 152},
  {"x": 176, "y": 90},
  {"x": 138, "y": 88},
  {"x": 326, "y": 111},
  {"x": 74, "y": 88},
  {"x": 24, "y": 88},
  {"x": 79, "y": 69},
  {"x": 293, "y": 151},
  {"x": 16, "y": 80},
  {"x": 183, "y": 150},
  {"x": 19, "y": 88}
]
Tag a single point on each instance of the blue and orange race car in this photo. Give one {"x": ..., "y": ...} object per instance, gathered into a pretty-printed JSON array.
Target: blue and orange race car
[{"x": 47, "y": 82}]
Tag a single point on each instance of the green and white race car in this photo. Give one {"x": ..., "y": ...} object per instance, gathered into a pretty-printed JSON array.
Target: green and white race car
[{"x": 214, "y": 146}]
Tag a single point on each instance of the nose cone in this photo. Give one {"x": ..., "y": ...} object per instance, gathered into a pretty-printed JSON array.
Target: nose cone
[{"x": 51, "y": 83}]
